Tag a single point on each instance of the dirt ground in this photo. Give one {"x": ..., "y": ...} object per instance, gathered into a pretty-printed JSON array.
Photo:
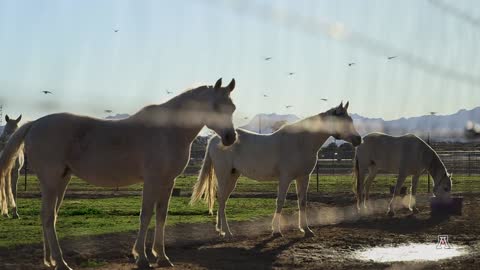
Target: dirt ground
[{"x": 339, "y": 232}]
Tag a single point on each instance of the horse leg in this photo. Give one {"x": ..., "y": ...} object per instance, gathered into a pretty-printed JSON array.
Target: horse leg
[
  {"x": 14, "y": 179},
  {"x": 222, "y": 184},
  {"x": 283, "y": 186},
  {"x": 164, "y": 193},
  {"x": 148, "y": 203},
  {"x": 62, "y": 187},
  {"x": 398, "y": 187},
  {"x": 413, "y": 207},
  {"x": 301, "y": 184},
  {"x": 49, "y": 218},
  {"x": 368, "y": 183},
  {"x": 5, "y": 192},
  {"x": 360, "y": 188},
  {"x": 222, "y": 197}
]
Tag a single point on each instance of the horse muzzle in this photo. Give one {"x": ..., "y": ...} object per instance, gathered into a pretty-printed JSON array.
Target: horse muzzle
[
  {"x": 228, "y": 138},
  {"x": 356, "y": 140}
]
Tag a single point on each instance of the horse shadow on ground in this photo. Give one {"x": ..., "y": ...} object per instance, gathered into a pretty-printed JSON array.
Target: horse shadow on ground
[
  {"x": 186, "y": 245},
  {"x": 261, "y": 256}
]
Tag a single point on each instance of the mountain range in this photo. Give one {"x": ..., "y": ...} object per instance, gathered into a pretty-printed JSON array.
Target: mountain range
[{"x": 439, "y": 127}]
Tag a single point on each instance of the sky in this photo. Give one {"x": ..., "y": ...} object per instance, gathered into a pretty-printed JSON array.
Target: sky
[{"x": 70, "y": 48}]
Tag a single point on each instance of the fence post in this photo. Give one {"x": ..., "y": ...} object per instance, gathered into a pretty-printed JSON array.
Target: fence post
[
  {"x": 468, "y": 164},
  {"x": 428, "y": 173},
  {"x": 318, "y": 168}
]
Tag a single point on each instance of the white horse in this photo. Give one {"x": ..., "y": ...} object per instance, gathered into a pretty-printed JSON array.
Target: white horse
[
  {"x": 152, "y": 146},
  {"x": 287, "y": 154},
  {"x": 11, "y": 179},
  {"x": 405, "y": 155}
]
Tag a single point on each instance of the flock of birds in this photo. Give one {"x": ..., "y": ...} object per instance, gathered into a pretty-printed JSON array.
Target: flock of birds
[
  {"x": 293, "y": 73},
  {"x": 116, "y": 30}
]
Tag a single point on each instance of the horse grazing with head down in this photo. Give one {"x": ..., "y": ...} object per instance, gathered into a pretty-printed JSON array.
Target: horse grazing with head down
[
  {"x": 8, "y": 188},
  {"x": 152, "y": 146},
  {"x": 405, "y": 155},
  {"x": 288, "y": 153}
]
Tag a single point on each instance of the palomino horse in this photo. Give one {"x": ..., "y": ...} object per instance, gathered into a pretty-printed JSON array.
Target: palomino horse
[
  {"x": 405, "y": 155},
  {"x": 287, "y": 154},
  {"x": 11, "y": 178},
  {"x": 152, "y": 146}
]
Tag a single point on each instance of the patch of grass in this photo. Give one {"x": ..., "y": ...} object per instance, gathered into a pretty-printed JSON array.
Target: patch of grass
[
  {"x": 92, "y": 263},
  {"x": 113, "y": 215},
  {"x": 327, "y": 184}
]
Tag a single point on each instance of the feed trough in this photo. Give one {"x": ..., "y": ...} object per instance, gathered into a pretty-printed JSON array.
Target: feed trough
[
  {"x": 446, "y": 206},
  {"x": 403, "y": 190}
]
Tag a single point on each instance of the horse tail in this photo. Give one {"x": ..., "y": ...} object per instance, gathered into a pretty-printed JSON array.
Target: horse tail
[
  {"x": 7, "y": 160},
  {"x": 205, "y": 186}
]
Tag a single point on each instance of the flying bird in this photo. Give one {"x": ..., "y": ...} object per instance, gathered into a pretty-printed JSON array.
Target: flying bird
[
  {"x": 108, "y": 111},
  {"x": 324, "y": 99},
  {"x": 268, "y": 58},
  {"x": 391, "y": 57},
  {"x": 116, "y": 30},
  {"x": 265, "y": 95},
  {"x": 288, "y": 106},
  {"x": 245, "y": 118},
  {"x": 168, "y": 92},
  {"x": 291, "y": 73},
  {"x": 47, "y": 92},
  {"x": 351, "y": 64}
]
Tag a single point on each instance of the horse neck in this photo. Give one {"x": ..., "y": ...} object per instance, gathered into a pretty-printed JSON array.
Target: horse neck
[
  {"x": 175, "y": 115},
  {"x": 436, "y": 167},
  {"x": 310, "y": 130},
  {"x": 3, "y": 141}
]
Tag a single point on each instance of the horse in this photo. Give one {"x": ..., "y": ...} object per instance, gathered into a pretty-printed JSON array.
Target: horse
[
  {"x": 11, "y": 177},
  {"x": 288, "y": 153},
  {"x": 152, "y": 146},
  {"x": 405, "y": 155}
]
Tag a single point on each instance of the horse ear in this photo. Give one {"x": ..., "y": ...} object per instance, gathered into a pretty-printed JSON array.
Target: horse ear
[
  {"x": 346, "y": 105},
  {"x": 218, "y": 84},
  {"x": 231, "y": 85},
  {"x": 7, "y": 118},
  {"x": 339, "y": 109},
  {"x": 19, "y": 118}
]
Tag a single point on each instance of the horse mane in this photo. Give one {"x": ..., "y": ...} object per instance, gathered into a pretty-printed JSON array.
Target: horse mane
[
  {"x": 435, "y": 161},
  {"x": 297, "y": 126},
  {"x": 304, "y": 123},
  {"x": 173, "y": 103}
]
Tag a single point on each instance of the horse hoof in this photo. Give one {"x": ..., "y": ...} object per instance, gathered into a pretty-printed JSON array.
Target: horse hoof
[
  {"x": 143, "y": 264},
  {"x": 277, "y": 234},
  {"x": 47, "y": 264},
  {"x": 6, "y": 215},
  {"x": 415, "y": 210},
  {"x": 164, "y": 263},
  {"x": 63, "y": 266},
  {"x": 16, "y": 216},
  {"x": 308, "y": 233},
  {"x": 390, "y": 213}
]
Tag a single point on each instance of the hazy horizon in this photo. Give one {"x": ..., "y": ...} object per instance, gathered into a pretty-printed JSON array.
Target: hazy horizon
[{"x": 71, "y": 49}]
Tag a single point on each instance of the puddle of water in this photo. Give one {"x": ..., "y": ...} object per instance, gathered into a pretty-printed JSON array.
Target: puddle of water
[{"x": 409, "y": 252}]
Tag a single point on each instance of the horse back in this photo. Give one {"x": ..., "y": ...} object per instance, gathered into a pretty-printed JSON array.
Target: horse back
[{"x": 393, "y": 154}]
